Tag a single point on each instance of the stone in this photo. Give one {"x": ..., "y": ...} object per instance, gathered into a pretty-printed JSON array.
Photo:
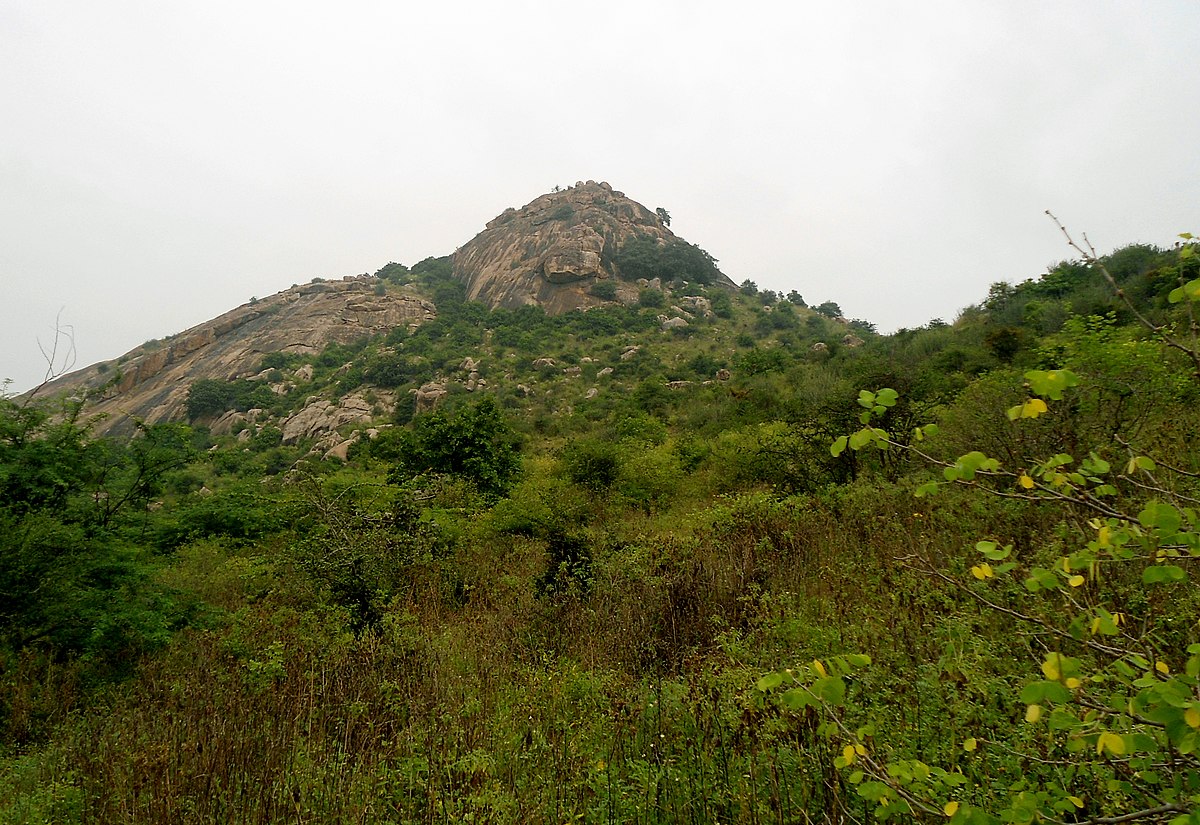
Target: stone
[
  {"x": 723, "y": 374},
  {"x": 573, "y": 372},
  {"x": 679, "y": 385},
  {"x": 341, "y": 451},
  {"x": 630, "y": 353},
  {"x": 850, "y": 340},
  {"x": 543, "y": 362},
  {"x": 592, "y": 393},
  {"x": 322, "y": 417},
  {"x": 229, "y": 422},
  {"x": 604, "y": 372},
  {"x": 304, "y": 373},
  {"x": 428, "y": 396},
  {"x": 820, "y": 346},
  {"x": 674, "y": 323}
]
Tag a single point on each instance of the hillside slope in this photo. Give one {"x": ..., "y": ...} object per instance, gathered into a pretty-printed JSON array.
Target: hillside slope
[{"x": 151, "y": 383}]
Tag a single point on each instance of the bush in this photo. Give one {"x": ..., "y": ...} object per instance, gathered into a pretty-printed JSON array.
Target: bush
[
  {"x": 652, "y": 298},
  {"x": 592, "y": 463},
  {"x": 605, "y": 290},
  {"x": 474, "y": 443},
  {"x": 643, "y": 257}
]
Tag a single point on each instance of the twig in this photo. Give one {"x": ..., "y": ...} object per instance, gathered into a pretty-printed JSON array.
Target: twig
[{"x": 1092, "y": 259}]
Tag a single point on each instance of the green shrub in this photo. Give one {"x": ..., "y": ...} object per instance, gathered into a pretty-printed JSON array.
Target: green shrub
[
  {"x": 652, "y": 298},
  {"x": 605, "y": 290}
]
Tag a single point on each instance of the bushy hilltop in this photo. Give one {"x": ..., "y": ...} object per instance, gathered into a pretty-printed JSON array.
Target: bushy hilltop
[{"x": 695, "y": 554}]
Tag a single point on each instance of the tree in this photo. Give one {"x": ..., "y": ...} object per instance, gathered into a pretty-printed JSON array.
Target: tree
[
  {"x": 829, "y": 309},
  {"x": 70, "y": 581},
  {"x": 663, "y": 215},
  {"x": 474, "y": 443}
]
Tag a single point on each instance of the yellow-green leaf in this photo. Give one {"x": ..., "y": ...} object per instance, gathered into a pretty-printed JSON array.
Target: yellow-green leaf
[
  {"x": 1051, "y": 668},
  {"x": 982, "y": 571}
]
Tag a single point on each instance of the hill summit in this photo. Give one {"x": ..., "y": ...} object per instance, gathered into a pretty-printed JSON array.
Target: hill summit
[{"x": 556, "y": 250}]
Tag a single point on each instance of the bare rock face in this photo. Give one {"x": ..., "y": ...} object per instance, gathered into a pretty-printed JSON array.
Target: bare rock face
[
  {"x": 428, "y": 396},
  {"x": 552, "y": 251},
  {"x": 322, "y": 416},
  {"x": 151, "y": 382}
]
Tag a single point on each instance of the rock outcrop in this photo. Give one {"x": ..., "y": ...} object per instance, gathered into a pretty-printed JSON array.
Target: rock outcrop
[
  {"x": 151, "y": 382},
  {"x": 555, "y": 249}
]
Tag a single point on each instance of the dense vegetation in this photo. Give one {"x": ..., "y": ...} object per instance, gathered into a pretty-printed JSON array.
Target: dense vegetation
[{"x": 941, "y": 575}]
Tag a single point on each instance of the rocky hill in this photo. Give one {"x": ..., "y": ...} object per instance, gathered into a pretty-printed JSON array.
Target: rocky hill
[
  {"x": 577, "y": 248},
  {"x": 555, "y": 250},
  {"x": 151, "y": 383}
]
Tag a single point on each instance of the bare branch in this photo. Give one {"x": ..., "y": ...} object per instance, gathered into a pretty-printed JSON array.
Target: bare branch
[
  {"x": 57, "y": 365},
  {"x": 1092, "y": 259}
]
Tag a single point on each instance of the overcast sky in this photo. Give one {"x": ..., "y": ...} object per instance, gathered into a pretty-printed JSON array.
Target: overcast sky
[{"x": 162, "y": 162}]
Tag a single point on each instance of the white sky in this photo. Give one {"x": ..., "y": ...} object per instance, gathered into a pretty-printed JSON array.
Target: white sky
[{"x": 163, "y": 161}]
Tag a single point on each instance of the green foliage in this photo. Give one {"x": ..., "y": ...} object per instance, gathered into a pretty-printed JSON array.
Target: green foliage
[
  {"x": 394, "y": 272},
  {"x": 652, "y": 298},
  {"x": 592, "y": 463},
  {"x": 1115, "y": 702},
  {"x": 829, "y": 309},
  {"x": 474, "y": 443},
  {"x": 722, "y": 304},
  {"x": 280, "y": 361},
  {"x": 391, "y": 371},
  {"x": 759, "y": 361},
  {"x": 210, "y": 397},
  {"x": 363, "y": 558},
  {"x": 605, "y": 290},
  {"x": 71, "y": 580},
  {"x": 643, "y": 257}
]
